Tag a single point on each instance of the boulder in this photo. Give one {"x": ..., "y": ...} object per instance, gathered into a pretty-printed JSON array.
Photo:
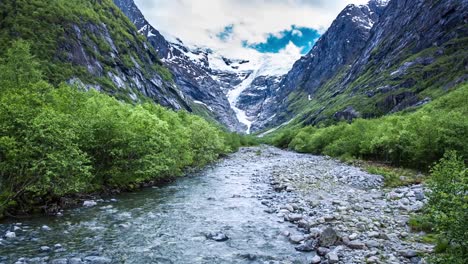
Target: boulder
[{"x": 328, "y": 237}]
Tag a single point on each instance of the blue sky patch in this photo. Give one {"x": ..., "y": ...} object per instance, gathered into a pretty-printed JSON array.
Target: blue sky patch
[
  {"x": 302, "y": 37},
  {"x": 226, "y": 33}
]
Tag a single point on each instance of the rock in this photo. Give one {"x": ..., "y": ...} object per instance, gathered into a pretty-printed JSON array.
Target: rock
[
  {"x": 322, "y": 251},
  {"x": 417, "y": 206},
  {"x": 97, "y": 260},
  {"x": 315, "y": 260},
  {"x": 373, "y": 234},
  {"x": 328, "y": 237},
  {"x": 372, "y": 244},
  {"x": 355, "y": 244},
  {"x": 89, "y": 203},
  {"x": 303, "y": 224},
  {"x": 353, "y": 236},
  {"x": 288, "y": 207},
  {"x": 409, "y": 253},
  {"x": 296, "y": 239},
  {"x": 45, "y": 249},
  {"x": 294, "y": 217},
  {"x": 314, "y": 232},
  {"x": 332, "y": 257},
  {"x": 59, "y": 261},
  {"x": 419, "y": 195},
  {"x": 345, "y": 240},
  {"x": 46, "y": 228},
  {"x": 10, "y": 235},
  {"x": 219, "y": 237},
  {"x": 57, "y": 246},
  {"x": 75, "y": 261},
  {"x": 372, "y": 259},
  {"x": 307, "y": 246}
]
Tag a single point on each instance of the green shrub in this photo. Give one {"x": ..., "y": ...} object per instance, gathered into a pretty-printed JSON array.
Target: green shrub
[{"x": 448, "y": 206}]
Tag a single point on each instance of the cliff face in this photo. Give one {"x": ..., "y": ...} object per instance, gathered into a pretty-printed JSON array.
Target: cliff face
[
  {"x": 93, "y": 45},
  {"x": 377, "y": 59}
]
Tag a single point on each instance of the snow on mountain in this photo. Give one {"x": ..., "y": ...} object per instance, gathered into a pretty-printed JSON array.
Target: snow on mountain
[{"x": 236, "y": 75}]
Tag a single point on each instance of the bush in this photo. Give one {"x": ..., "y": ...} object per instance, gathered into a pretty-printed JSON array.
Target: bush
[{"x": 448, "y": 206}]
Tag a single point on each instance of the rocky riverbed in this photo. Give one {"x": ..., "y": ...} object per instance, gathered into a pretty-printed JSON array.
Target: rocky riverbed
[{"x": 260, "y": 205}]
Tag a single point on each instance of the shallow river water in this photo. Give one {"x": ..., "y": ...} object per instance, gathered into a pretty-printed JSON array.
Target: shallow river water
[{"x": 164, "y": 225}]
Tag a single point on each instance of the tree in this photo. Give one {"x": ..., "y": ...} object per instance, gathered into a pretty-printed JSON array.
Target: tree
[{"x": 20, "y": 68}]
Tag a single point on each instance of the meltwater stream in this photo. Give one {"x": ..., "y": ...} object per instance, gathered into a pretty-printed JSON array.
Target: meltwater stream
[{"x": 164, "y": 225}]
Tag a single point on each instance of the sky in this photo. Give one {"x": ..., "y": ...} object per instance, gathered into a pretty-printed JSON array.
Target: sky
[{"x": 245, "y": 28}]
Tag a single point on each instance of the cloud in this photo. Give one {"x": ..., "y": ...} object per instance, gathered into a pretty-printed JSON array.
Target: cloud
[{"x": 226, "y": 25}]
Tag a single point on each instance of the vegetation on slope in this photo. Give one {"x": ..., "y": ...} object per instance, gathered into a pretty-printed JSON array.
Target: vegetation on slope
[
  {"x": 89, "y": 40},
  {"x": 412, "y": 139},
  {"x": 428, "y": 74},
  {"x": 61, "y": 141}
]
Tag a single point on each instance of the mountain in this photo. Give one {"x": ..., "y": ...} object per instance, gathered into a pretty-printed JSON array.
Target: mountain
[
  {"x": 91, "y": 44},
  {"x": 191, "y": 70},
  {"x": 375, "y": 59}
]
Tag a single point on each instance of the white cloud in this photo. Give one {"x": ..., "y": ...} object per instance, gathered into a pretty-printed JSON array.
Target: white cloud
[{"x": 199, "y": 21}]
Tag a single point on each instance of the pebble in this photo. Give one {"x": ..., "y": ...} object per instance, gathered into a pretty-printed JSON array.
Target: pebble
[
  {"x": 315, "y": 260},
  {"x": 45, "y": 249},
  {"x": 409, "y": 253},
  {"x": 89, "y": 203},
  {"x": 296, "y": 239},
  {"x": 332, "y": 257},
  {"x": 10, "y": 235},
  {"x": 353, "y": 236}
]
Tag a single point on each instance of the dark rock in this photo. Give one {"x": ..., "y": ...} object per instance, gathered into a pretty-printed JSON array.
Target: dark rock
[
  {"x": 409, "y": 253},
  {"x": 347, "y": 114},
  {"x": 322, "y": 251},
  {"x": 355, "y": 244},
  {"x": 308, "y": 246},
  {"x": 97, "y": 260},
  {"x": 328, "y": 237},
  {"x": 219, "y": 237},
  {"x": 59, "y": 261}
]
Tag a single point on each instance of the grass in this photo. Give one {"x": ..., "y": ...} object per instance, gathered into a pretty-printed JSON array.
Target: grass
[{"x": 393, "y": 176}]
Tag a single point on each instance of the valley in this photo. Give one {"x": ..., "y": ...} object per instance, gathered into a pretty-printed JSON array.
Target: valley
[{"x": 338, "y": 134}]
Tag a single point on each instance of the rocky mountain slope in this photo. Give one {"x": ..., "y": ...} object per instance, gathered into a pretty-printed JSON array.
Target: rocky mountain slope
[
  {"x": 91, "y": 44},
  {"x": 191, "y": 70},
  {"x": 375, "y": 59}
]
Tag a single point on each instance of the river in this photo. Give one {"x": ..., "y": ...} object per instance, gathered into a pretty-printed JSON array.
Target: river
[{"x": 259, "y": 205}]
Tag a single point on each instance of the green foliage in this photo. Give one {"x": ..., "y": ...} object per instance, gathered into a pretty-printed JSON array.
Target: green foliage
[
  {"x": 420, "y": 223},
  {"x": 395, "y": 177},
  {"x": 61, "y": 141},
  {"x": 413, "y": 140},
  {"x": 448, "y": 207}
]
